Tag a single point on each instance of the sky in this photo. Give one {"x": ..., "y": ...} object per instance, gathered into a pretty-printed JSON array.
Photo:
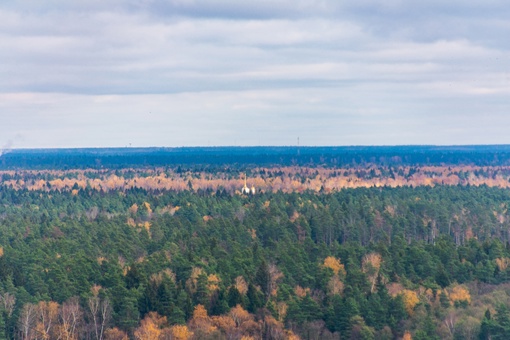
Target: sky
[{"x": 95, "y": 73}]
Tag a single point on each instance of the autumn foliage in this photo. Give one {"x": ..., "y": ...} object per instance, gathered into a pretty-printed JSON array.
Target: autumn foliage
[
  {"x": 370, "y": 266},
  {"x": 335, "y": 284},
  {"x": 165, "y": 254},
  {"x": 335, "y": 265},
  {"x": 459, "y": 294},
  {"x": 289, "y": 179},
  {"x": 115, "y": 334},
  {"x": 410, "y": 300}
]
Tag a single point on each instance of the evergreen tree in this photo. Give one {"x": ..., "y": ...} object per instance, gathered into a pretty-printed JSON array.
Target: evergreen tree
[
  {"x": 201, "y": 295},
  {"x": 396, "y": 311},
  {"x": 350, "y": 310},
  {"x": 502, "y": 325},
  {"x": 443, "y": 299},
  {"x": 488, "y": 326},
  {"x": 310, "y": 309},
  {"x": 262, "y": 278},
  {"x": 219, "y": 303},
  {"x": 3, "y": 334},
  {"x": 333, "y": 312},
  {"x": 255, "y": 299},
  {"x": 234, "y": 297},
  {"x": 127, "y": 315}
]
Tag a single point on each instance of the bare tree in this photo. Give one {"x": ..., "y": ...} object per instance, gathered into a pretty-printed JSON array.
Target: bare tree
[
  {"x": 275, "y": 275},
  {"x": 450, "y": 321},
  {"x": 8, "y": 301},
  {"x": 70, "y": 316},
  {"x": 101, "y": 313},
  {"x": 27, "y": 321},
  {"x": 47, "y": 316}
]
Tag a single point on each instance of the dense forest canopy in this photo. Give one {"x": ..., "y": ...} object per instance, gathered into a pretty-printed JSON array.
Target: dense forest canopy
[
  {"x": 105, "y": 244},
  {"x": 241, "y": 157}
]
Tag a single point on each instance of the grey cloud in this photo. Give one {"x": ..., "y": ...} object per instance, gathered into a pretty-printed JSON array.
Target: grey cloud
[
  {"x": 129, "y": 52},
  {"x": 331, "y": 72}
]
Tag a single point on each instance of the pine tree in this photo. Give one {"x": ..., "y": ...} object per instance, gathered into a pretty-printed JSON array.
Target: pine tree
[
  {"x": 487, "y": 327},
  {"x": 333, "y": 312},
  {"x": 127, "y": 315},
  {"x": 262, "y": 278},
  {"x": 350, "y": 310},
  {"x": 3, "y": 335},
  {"x": 396, "y": 311},
  {"x": 255, "y": 300},
  {"x": 310, "y": 309},
  {"x": 219, "y": 303},
  {"x": 234, "y": 297},
  {"x": 201, "y": 295},
  {"x": 502, "y": 327},
  {"x": 165, "y": 296},
  {"x": 443, "y": 300},
  {"x": 428, "y": 329},
  {"x": 376, "y": 312}
]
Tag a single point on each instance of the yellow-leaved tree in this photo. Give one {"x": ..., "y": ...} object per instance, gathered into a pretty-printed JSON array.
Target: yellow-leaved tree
[
  {"x": 150, "y": 327},
  {"x": 115, "y": 334},
  {"x": 335, "y": 265},
  {"x": 410, "y": 300},
  {"x": 181, "y": 332},
  {"x": 201, "y": 322},
  {"x": 335, "y": 284},
  {"x": 460, "y": 295}
]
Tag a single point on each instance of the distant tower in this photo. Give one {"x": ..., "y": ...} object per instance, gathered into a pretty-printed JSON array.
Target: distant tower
[{"x": 246, "y": 190}]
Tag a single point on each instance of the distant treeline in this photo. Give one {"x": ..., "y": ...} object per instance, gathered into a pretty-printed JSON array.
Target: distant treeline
[{"x": 242, "y": 157}]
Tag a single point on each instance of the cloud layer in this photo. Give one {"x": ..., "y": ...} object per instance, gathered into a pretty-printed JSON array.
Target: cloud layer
[{"x": 171, "y": 73}]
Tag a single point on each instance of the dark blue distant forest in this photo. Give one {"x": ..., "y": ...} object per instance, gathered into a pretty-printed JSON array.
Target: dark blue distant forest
[{"x": 345, "y": 156}]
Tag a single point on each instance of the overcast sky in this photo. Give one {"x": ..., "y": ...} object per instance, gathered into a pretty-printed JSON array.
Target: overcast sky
[{"x": 92, "y": 73}]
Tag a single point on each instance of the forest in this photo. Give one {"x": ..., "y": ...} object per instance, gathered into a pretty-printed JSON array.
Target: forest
[
  {"x": 414, "y": 250},
  {"x": 247, "y": 157}
]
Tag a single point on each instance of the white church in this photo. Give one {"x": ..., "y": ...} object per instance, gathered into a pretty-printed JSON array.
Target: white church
[{"x": 247, "y": 191}]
